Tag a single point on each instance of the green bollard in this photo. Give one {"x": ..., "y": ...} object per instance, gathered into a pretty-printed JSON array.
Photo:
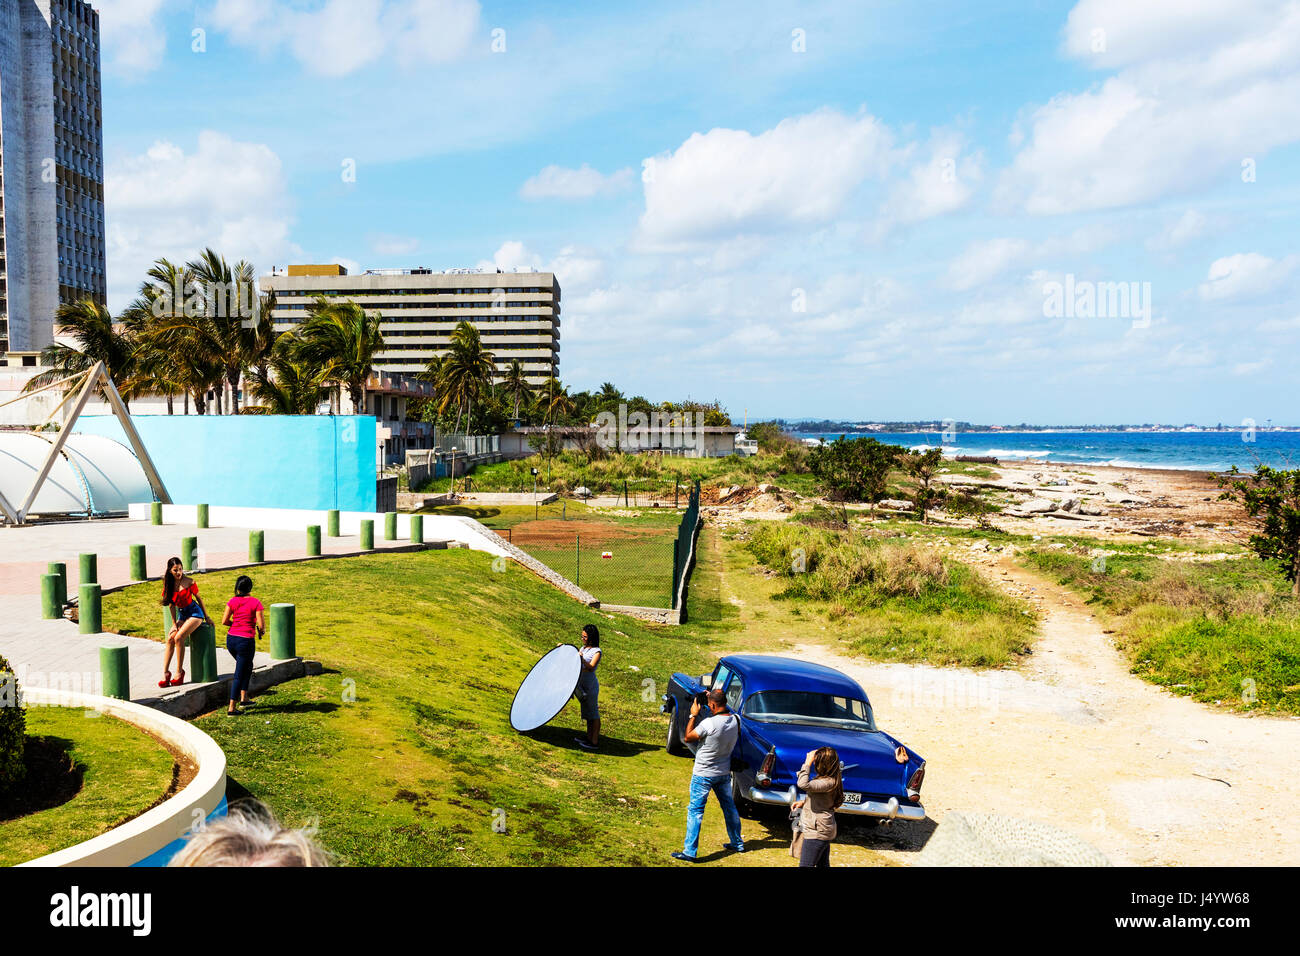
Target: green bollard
[
  {"x": 138, "y": 572},
  {"x": 51, "y": 609},
  {"x": 115, "y": 668},
  {"x": 203, "y": 654},
  {"x": 283, "y": 626},
  {"x": 313, "y": 540},
  {"x": 367, "y": 534},
  {"x": 417, "y": 529},
  {"x": 332, "y": 523},
  {"x": 155, "y": 513},
  {"x": 90, "y": 609},
  {"x": 61, "y": 569},
  {"x": 202, "y": 516},
  {"x": 390, "y": 526},
  {"x": 189, "y": 552},
  {"x": 167, "y": 622},
  {"x": 89, "y": 569},
  {"x": 257, "y": 546}
]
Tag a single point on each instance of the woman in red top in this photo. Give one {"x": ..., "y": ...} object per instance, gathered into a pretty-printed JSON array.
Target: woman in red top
[
  {"x": 181, "y": 597},
  {"x": 244, "y": 614}
]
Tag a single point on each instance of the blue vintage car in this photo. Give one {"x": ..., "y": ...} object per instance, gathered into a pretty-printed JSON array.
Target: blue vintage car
[{"x": 788, "y": 707}]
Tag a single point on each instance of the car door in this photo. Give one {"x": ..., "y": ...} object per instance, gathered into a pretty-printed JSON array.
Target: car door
[{"x": 721, "y": 675}]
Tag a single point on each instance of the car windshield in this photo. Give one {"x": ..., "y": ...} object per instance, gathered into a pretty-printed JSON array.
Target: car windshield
[{"x": 811, "y": 708}]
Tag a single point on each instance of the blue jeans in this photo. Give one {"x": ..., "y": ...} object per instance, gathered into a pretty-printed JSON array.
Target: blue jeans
[
  {"x": 241, "y": 649},
  {"x": 700, "y": 787}
]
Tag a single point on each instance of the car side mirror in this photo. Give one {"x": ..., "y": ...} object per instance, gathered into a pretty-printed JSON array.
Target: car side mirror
[{"x": 706, "y": 680}]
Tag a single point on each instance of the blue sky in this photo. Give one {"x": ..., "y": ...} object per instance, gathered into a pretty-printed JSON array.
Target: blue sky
[{"x": 849, "y": 210}]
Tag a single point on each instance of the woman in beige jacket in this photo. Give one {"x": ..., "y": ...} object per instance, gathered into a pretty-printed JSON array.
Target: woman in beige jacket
[{"x": 816, "y": 827}]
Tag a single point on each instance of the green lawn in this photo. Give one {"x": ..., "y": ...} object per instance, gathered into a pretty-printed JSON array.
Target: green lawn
[
  {"x": 402, "y": 750},
  {"x": 122, "y": 773},
  {"x": 1225, "y": 632}
]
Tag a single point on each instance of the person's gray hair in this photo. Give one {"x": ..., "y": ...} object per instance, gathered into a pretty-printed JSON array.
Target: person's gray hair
[{"x": 250, "y": 836}]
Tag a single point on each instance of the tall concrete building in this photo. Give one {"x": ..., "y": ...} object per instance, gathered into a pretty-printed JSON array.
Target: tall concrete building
[
  {"x": 51, "y": 166},
  {"x": 517, "y": 313}
]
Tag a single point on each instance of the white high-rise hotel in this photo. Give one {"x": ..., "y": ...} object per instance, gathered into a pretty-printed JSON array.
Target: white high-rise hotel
[{"x": 51, "y": 166}]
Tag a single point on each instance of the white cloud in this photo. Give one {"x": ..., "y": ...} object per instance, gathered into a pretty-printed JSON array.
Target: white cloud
[
  {"x": 385, "y": 244},
  {"x": 132, "y": 39},
  {"x": 727, "y": 181},
  {"x": 558, "y": 182},
  {"x": 1190, "y": 225},
  {"x": 1246, "y": 275},
  {"x": 986, "y": 259},
  {"x": 351, "y": 265},
  {"x": 942, "y": 183},
  {"x": 228, "y": 195},
  {"x": 342, "y": 36},
  {"x": 1189, "y": 104}
]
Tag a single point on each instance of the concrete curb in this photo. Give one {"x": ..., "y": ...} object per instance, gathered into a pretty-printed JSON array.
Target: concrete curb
[
  {"x": 201, "y": 698},
  {"x": 149, "y": 837}
]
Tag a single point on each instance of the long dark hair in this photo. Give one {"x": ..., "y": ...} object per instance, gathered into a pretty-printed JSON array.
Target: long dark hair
[
  {"x": 827, "y": 764},
  {"x": 169, "y": 582},
  {"x": 593, "y": 635},
  {"x": 243, "y": 585}
]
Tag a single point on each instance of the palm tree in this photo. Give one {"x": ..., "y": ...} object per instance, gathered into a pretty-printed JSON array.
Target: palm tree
[
  {"x": 464, "y": 373},
  {"x": 178, "y": 333},
  {"x": 99, "y": 339},
  {"x": 343, "y": 339},
  {"x": 516, "y": 385},
  {"x": 557, "y": 399},
  {"x": 226, "y": 292},
  {"x": 286, "y": 386}
]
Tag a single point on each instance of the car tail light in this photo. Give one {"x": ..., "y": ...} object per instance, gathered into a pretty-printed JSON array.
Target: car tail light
[
  {"x": 914, "y": 784},
  {"x": 764, "y": 776}
]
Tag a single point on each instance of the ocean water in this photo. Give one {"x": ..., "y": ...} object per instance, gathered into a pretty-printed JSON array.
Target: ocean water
[{"x": 1210, "y": 451}]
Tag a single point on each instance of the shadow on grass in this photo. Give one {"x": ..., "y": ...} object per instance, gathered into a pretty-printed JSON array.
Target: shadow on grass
[
  {"x": 464, "y": 511},
  {"x": 869, "y": 833},
  {"x": 52, "y": 779},
  {"x": 609, "y": 746}
]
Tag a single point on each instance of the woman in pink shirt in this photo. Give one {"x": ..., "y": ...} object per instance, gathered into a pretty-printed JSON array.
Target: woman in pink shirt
[{"x": 244, "y": 614}]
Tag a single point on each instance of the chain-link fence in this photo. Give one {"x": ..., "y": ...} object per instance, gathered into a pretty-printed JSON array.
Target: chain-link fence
[
  {"x": 684, "y": 541},
  {"x": 614, "y": 564}
]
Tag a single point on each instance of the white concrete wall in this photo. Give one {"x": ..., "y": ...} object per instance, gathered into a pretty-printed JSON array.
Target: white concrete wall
[{"x": 436, "y": 527}]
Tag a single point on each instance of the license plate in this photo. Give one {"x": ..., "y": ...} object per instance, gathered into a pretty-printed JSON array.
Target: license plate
[{"x": 854, "y": 798}]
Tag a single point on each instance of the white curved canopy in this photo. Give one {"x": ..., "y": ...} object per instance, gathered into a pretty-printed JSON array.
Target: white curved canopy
[
  {"x": 91, "y": 475},
  {"x": 75, "y": 474}
]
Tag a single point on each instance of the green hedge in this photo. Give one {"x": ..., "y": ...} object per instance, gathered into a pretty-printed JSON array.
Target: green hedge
[{"x": 13, "y": 729}]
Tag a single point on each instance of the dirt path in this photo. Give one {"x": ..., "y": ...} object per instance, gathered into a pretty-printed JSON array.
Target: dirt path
[{"x": 1075, "y": 740}]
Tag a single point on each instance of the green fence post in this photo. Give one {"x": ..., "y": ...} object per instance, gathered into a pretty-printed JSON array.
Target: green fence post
[
  {"x": 257, "y": 546},
  {"x": 332, "y": 523},
  {"x": 390, "y": 526},
  {"x": 51, "y": 609},
  {"x": 673, "y": 597},
  {"x": 283, "y": 626},
  {"x": 89, "y": 569},
  {"x": 115, "y": 669},
  {"x": 367, "y": 534},
  {"x": 90, "y": 609},
  {"x": 155, "y": 512},
  {"x": 313, "y": 540},
  {"x": 61, "y": 569},
  {"x": 189, "y": 552},
  {"x": 138, "y": 564},
  {"x": 202, "y": 519},
  {"x": 577, "y": 556},
  {"x": 417, "y": 529}
]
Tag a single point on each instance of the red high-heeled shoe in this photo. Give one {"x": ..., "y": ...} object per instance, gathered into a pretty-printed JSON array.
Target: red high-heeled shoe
[
  {"x": 180, "y": 678},
  {"x": 167, "y": 679}
]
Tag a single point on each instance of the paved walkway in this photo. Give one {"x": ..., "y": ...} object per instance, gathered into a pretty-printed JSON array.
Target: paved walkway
[{"x": 55, "y": 654}]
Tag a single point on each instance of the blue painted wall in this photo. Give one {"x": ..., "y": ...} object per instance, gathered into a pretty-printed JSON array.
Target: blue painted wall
[{"x": 257, "y": 461}]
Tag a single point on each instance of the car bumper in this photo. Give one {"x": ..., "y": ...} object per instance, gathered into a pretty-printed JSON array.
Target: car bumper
[{"x": 888, "y": 810}]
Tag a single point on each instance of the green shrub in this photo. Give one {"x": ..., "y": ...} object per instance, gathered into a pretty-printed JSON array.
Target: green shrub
[{"x": 13, "y": 729}]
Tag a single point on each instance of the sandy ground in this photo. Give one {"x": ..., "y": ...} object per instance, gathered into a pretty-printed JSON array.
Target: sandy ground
[
  {"x": 1074, "y": 740},
  {"x": 1135, "y": 501}
]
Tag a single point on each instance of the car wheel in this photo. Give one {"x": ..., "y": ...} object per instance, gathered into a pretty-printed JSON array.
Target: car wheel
[
  {"x": 744, "y": 807},
  {"x": 674, "y": 745}
]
